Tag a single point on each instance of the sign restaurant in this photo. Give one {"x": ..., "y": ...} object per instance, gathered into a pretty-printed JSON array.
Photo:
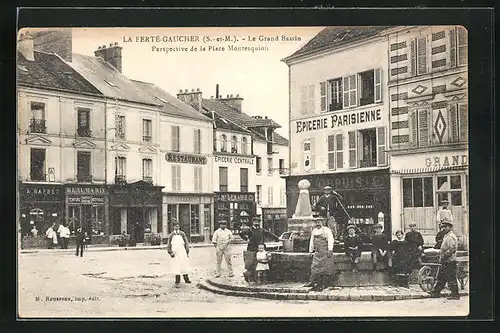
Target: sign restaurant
[
  {"x": 185, "y": 158},
  {"x": 351, "y": 118},
  {"x": 234, "y": 197}
]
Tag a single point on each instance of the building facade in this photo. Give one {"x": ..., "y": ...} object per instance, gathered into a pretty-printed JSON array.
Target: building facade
[
  {"x": 429, "y": 126},
  {"x": 339, "y": 117}
]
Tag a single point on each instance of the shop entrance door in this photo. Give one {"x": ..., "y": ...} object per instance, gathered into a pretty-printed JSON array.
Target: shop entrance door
[
  {"x": 184, "y": 219},
  {"x": 136, "y": 224}
]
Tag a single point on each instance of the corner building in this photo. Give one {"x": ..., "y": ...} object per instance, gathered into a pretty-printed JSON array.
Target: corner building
[
  {"x": 429, "y": 126},
  {"x": 339, "y": 117}
]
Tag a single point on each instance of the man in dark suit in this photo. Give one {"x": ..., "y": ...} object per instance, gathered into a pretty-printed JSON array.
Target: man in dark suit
[
  {"x": 328, "y": 206},
  {"x": 80, "y": 241}
]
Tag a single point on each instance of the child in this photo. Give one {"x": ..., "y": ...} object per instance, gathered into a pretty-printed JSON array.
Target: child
[
  {"x": 399, "y": 260},
  {"x": 415, "y": 244},
  {"x": 262, "y": 257},
  {"x": 352, "y": 242},
  {"x": 379, "y": 246}
]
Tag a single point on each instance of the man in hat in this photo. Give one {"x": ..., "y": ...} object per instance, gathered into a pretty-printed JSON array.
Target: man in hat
[
  {"x": 448, "y": 260},
  {"x": 415, "y": 243},
  {"x": 323, "y": 271},
  {"x": 444, "y": 213},
  {"x": 380, "y": 246},
  {"x": 254, "y": 236},
  {"x": 440, "y": 236},
  {"x": 178, "y": 248},
  {"x": 222, "y": 240},
  {"x": 328, "y": 207},
  {"x": 352, "y": 246}
]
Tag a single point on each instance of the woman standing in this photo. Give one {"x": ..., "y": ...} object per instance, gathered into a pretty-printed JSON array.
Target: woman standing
[{"x": 178, "y": 248}]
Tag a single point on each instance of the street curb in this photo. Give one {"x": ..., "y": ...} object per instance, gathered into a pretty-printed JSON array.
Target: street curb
[
  {"x": 291, "y": 294},
  {"x": 106, "y": 249}
]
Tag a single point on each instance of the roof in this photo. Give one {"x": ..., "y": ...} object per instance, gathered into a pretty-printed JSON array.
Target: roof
[
  {"x": 240, "y": 118},
  {"x": 280, "y": 140},
  {"x": 51, "y": 72},
  {"x": 171, "y": 105},
  {"x": 223, "y": 123},
  {"x": 109, "y": 81},
  {"x": 331, "y": 37}
]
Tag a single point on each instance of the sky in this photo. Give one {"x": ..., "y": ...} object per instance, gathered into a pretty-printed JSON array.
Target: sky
[{"x": 260, "y": 78}]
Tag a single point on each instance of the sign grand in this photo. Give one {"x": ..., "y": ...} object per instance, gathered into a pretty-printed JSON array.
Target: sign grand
[{"x": 351, "y": 118}]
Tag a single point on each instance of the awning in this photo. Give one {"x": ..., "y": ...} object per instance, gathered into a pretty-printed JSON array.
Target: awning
[{"x": 429, "y": 170}]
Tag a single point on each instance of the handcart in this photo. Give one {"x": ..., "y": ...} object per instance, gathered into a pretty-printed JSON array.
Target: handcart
[{"x": 427, "y": 275}]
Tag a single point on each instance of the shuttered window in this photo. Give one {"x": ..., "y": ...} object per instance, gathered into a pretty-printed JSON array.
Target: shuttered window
[
  {"x": 378, "y": 84},
  {"x": 462, "y": 46},
  {"x": 419, "y": 128},
  {"x": 198, "y": 179},
  {"x": 331, "y": 152},
  {"x": 353, "y": 161},
  {"x": 307, "y": 99},
  {"x": 313, "y": 153},
  {"x": 197, "y": 141},
  {"x": 381, "y": 147},
  {"x": 413, "y": 60},
  {"x": 453, "y": 123},
  {"x": 422, "y": 55},
  {"x": 176, "y": 177},
  {"x": 175, "y": 138},
  {"x": 323, "y": 95},
  {"x": 463, "y": 124},
  {"x": 339, "y": 150},
  {"x": 303, "y": 100},
  {"x": 350, "y": 91},
  {"x": 413, "y": 128}
]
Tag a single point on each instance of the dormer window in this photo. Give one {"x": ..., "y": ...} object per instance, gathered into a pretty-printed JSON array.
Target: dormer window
[
  {"x": 223, "y": 146},
  {"x": 234, "y": 145}
]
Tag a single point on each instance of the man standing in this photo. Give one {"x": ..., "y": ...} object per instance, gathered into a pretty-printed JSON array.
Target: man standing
[
  {"x": 80, "y": 241},
  {"x": 415, "y": 243},
  {"x": 178, "y": 248},
  {"x": 327, "y": 206},
  {"x": 439, "y": 236},
  {"x": 51, "y": 236},
  {"x": 444, "y": 213},
  {"x": 448, "y": 260},
  {"x": 222, "y": 241},
  {"x": 254, "y": 237},
  {"x": 322, "y": 267},
  {"x": 64, "y": 236}
]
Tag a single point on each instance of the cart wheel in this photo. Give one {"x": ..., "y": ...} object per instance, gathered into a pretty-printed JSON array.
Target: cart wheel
[{"x": 425, "y": 279}]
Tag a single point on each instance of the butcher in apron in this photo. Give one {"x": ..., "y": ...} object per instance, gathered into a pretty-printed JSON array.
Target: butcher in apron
[
  {"x": 323, "y": 272},
  {"x": 178, "y": 248}
]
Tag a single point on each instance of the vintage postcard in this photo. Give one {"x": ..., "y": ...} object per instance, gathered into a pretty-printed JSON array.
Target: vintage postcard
[{"x": 243, "y": 172}]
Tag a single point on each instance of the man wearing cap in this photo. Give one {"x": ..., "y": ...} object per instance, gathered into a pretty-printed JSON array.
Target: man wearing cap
[
  {"x": 323, "y": 270},
  {"x": 440, "y": 236},
  {"x": 254, "y": 236},
  {"x": 415, "y": 243},
  {"x": 444, "y": 213},
  {"x": 448, "y": 260},
  {"x": 178, "y": 248},
  {"x": 327, "y": 206},
  {"x": 222, "y": 240}
]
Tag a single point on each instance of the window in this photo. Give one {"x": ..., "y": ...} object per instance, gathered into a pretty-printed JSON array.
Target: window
[
  {"x": 258, "y": 165},
  {"x": 367, "y": 87},
  {"x": 309, "y": 156},
  {"x": 418, "y": 192},
  {"x": 335, "y": 151},
  {"x": 307, "y": 99},
  {"x": 418, "y": 50},
  {"x": 175, "y": 138},
  {"x": 350, "y": 92},
  {"x": 195, "y": 220},
  {"x": 282, "y": 197},
  {"x": 234, "y": 145},
  {"x": 269, "y": 166},
  {"x": 207, "y": 216},
  {"x": 83, "y": 128},
  {"x": 223, "y": 179},
  {"x": 270, "y": 199},
  {"x": 368, "y": 148},
  {"x": 176, "y": 177},
  {"x": 353, "y": 160},
  {"x": 335, "y": 98},
  {"x": 197, "y": 141},
  {"x": 37, "y": 164},
  {"x": 120, "y": 127},
  {"x": 244, "y": 146},
  {"x": 147, "y": 169},
  {"x": 243, "y": 180},
  {"x": 258, "y": 194},
  {"x": 37, "y": 123},
  {"x": 450, "y": 188},
  {"x": 419, "y": 128},
  {"x": 147, "y": 130},
  {"x": 281, "y": 164},
  {"x": 198, "y": 185},
  {"x": 172, "y": 213},
  {"x": 83, "y": 166},
  {"x": 459, "y": 124},
  {"x": 223, "y": 143},
  {"x": 458, "y": 46},
  {"x": 120, "y": 167}
]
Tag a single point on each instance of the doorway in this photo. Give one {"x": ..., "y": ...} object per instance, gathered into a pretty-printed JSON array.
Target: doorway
[
  {"x": 135, "y": 224},
  {"x": 184, "y": 219}
]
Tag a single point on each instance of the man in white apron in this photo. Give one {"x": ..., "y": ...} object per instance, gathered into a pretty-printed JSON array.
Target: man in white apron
[
  {"x": 178, "y": 248},
  {"x": 323, "y": 267}
]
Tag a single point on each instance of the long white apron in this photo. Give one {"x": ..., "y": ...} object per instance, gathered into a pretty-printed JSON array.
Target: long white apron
[{"x": 180, "y": 262}]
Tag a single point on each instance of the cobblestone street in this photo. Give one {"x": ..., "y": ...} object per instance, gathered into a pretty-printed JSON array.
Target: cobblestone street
[{"x": 138, "y": 284}]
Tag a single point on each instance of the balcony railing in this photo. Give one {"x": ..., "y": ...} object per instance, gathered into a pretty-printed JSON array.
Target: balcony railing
[
  {"x": 83, "y": 178},
  {"x": 120, "y": 179},
  {"x": 84, "y": 131},
  {"x": 147, "y": 179},
  {"x": 38, "y": 126},
  {"x": 367, "y": 163},
  {"x": 366, "y": 100},
  {"x": 146, "y": 138},
  {"x": 222, "y": 188},
  {"x": 38, "y": 176},
  {"x": 244, "y": 188}
]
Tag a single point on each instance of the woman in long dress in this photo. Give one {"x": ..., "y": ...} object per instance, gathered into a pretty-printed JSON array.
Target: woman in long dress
[{"x": 178, "y": 248}]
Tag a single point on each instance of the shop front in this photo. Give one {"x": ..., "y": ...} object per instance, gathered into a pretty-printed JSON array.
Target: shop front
[
  {"x": 274, "y": 220},
  {"x": 87, "y": 208},
  {"x": 365, "y": 195},
  {"x": 237, "y": 208},
  {"x": 136, "y": 209},
  {"x": 41, "y": 205},
  {"x": 421, "y": 182},
  {"x": 193, "y": 212}
]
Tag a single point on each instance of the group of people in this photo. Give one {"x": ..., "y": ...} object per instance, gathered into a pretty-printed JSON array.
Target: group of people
[{"x": 59, "y": 235}]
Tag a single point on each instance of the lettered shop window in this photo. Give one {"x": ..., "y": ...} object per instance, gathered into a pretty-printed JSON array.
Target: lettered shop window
[{"x": 418, "y": 192}]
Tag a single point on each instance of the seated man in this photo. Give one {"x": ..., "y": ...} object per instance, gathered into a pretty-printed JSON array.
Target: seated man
[
  {"x": 352, "y": 246},
  {"x": 380, "y": 244}
]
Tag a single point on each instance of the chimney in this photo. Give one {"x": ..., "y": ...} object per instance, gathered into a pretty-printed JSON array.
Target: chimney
[
  {"x": 192, "y": 98},
  {"x": 58, "y": 41},
  {"x": 234, "y": 101},
  {"x": 25, "y": 46},
  {"x": 217, "y": 90},
  {"x": 111, "y": 54}
]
